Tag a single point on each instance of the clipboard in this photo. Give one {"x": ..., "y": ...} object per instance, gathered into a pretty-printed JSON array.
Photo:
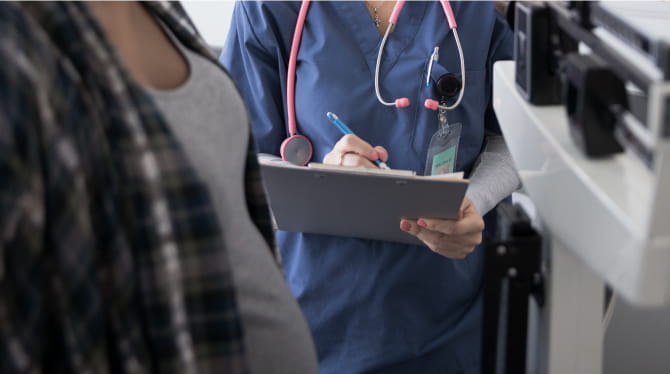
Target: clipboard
[{"x": 354, "y": 202}]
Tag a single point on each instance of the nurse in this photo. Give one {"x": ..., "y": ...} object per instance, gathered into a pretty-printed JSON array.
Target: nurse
[{"x": 376, "y": 306}]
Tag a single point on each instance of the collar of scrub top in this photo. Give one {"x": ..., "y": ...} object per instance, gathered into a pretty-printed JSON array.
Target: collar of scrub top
[{"x": 298, "y": 148}]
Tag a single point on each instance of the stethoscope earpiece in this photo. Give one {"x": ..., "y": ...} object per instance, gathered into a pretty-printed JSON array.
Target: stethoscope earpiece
[
  {"x": 431, "y": 104},
  {"x": 296, "y": 149},
  {"x": 402, "y": 102}
]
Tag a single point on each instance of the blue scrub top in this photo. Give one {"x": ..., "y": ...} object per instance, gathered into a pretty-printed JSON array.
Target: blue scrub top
[{"x": 373, "y": 306}]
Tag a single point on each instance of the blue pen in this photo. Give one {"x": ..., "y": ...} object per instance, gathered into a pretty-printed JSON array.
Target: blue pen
[{"x": 346, "y": 130}]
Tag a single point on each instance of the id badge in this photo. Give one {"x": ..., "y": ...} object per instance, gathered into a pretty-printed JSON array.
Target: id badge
[{"x": 443, "y": 149}]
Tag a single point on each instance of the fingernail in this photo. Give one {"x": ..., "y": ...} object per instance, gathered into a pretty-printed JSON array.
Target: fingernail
[
  {"x": 422, "y": 223},
  {"x": 405, "y": 226},
  {"x": 374, "y": 155}
]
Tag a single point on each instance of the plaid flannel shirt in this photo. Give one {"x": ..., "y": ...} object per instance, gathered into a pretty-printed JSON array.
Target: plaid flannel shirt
[{"x": 107, "y": 235}]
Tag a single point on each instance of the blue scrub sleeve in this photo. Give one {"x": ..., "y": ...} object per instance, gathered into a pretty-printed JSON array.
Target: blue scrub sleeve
[
  {"x": 258, "y": 71},
  {"x": 502, "y": 48}
]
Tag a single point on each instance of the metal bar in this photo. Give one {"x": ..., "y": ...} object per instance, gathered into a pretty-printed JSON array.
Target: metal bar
[{"x": 620, "y": 66}]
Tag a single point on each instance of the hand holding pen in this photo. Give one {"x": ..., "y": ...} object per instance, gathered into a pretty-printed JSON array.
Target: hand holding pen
[{"x": 351, "y": 150}]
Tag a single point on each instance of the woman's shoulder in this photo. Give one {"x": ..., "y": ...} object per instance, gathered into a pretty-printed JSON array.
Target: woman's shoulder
[
  {"x": 25, "y": 41},
  {"x": 35, "y": 76},
  {"x": 17, "y": 26},
  {"x": 12, "y": 16}
]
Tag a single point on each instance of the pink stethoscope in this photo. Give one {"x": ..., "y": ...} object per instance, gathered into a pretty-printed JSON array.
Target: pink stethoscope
[{"x": 298, "y": 148}]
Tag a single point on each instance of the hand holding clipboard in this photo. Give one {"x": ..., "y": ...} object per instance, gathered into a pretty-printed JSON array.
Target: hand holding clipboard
[
  {"x": 453, "y": 238},
  {"x": 357, "y": 202}
]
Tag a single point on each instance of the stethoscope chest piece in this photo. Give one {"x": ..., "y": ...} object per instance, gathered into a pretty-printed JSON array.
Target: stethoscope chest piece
[{"x": 296, "y": 149}]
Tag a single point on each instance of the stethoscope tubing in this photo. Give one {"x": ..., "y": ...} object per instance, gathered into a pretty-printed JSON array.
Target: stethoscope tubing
[
  {"x": 293, "y": 57},
  {"x": 401, "y": 102},
  {"x": 462, "y": 60},
  {"x": 429, "y": 103}
]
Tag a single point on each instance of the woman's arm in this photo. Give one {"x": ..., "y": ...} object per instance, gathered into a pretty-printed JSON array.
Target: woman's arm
[
  {"x": 493, "y": 177},
  {"x": 22, "y": 211}
]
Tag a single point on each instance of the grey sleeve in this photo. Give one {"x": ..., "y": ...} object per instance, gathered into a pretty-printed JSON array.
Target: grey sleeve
[{"x": 493, "y": 176}]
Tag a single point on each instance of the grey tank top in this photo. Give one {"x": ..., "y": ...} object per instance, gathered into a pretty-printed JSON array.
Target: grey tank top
[{"x": 208, "y": 117}]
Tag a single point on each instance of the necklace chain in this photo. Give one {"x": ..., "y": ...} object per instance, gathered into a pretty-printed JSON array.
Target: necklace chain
[{"x": 377, "y": 21}]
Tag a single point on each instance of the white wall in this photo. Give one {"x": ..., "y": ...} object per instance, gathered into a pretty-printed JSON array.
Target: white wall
[{"x": 212, "y": 18}]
